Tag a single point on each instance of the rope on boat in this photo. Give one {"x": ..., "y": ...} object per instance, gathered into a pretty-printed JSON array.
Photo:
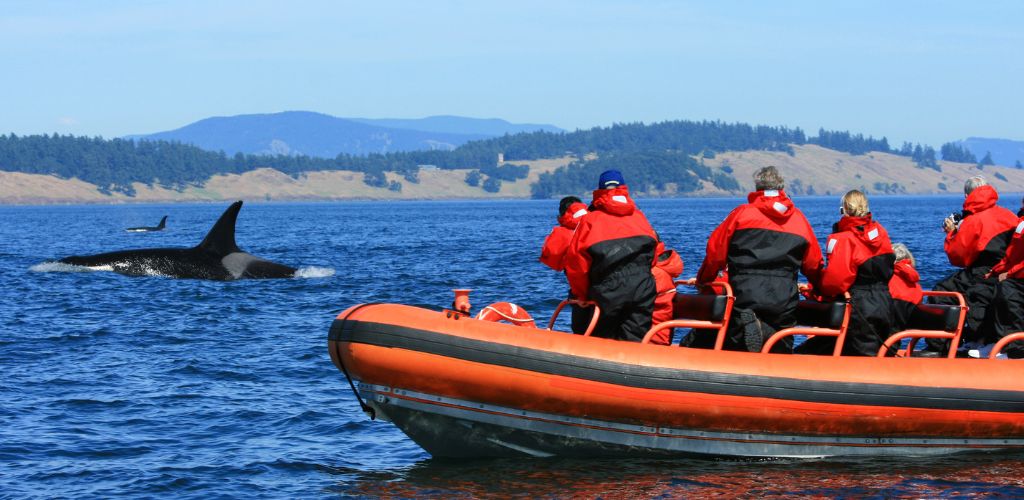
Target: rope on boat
[{"x": 369, "y": 411}]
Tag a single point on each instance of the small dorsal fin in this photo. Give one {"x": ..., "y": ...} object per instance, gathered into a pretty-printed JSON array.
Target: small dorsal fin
[
  {"x": 221, "y": 239},
  {"x": 163, "y": 223}
]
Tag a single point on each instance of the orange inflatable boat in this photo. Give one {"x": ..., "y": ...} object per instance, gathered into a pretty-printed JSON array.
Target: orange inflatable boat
[{"x": 465, "y": 387}]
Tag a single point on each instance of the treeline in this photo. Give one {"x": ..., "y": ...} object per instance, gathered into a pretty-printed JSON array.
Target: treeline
[
  {"x": 923, "y": 156},
  {"x": 114, "y": 165},
  {"x": 952, "y": 151},
  {"x": 644, "y": 172}
]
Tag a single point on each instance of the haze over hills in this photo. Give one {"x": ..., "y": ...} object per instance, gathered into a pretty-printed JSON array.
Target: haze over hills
[
  {"x": 1004, "y": 151},
  {"x": 459, "y": 125},
  {"x": 324, "y": 136}
]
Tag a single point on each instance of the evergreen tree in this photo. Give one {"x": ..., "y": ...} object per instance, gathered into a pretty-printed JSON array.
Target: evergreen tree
[{"x": 987, "y": 160}]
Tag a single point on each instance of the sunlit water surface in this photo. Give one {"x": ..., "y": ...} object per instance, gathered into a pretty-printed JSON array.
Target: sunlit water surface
[{"x": 151, "y": 386}]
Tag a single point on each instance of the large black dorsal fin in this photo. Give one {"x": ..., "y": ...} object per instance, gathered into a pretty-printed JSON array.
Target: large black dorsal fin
[
  {"x": 163, "y": 223},
  {"x": 221, "y": 239}
]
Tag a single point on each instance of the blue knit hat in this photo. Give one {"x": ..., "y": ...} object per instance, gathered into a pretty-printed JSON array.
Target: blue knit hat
[{"x": 610, "y": 179}]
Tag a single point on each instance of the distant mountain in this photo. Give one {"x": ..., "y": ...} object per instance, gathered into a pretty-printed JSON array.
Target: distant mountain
[
  {"x": 325, "y": 136},
  {"x": 459, "y": 125},
  {"x": 1004, "y": 151}
]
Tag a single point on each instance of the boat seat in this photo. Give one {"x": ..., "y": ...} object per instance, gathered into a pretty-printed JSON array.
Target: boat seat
[
  {"x": 935, "y": 317},
  {"x": 820, "y": 314},
  {"x": 703, "y": 307}
]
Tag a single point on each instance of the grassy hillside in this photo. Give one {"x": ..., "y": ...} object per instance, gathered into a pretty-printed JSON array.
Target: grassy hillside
[
  {"x": 816, "y": 170},
  {"x": 810, "y": 169},
  {"x": 268, "y": 184}
]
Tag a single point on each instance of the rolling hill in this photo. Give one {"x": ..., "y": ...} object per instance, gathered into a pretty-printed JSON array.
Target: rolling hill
[
  {"x": 324, "y": 136},
  {"x": 1004, "y": 151}
]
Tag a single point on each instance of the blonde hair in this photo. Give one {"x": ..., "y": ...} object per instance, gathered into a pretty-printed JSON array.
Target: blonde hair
[
  {"x": 768, "y": 178},
  {"x": 855, "y": 204},
  {"x": 903, "y": 253}
]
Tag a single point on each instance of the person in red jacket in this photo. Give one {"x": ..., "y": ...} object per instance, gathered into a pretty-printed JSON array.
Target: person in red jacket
[
  {"x": 609, "y": 261},
  {"x": 860, "y": 261},
  {"x": 974, "y": 244},
  {"x": 570, "y": 210},
  {"x": 667, "y": 267},
  {"x": 1006, "y": 313},
  {"x": 764, "y": 243},
  {"x": 905, "y": 287}
]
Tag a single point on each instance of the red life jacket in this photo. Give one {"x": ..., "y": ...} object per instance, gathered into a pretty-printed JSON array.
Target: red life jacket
[
  {"x": 766, "y": 233},
  {"x": 613, "y": 238},
  {"x": 905, "y": 283},
  {"x": 1013, "y": 262},
  {"x": 667, "y": 267},
  {"x": 859, "y": 253},
  {"x": 558, "y": 241},
  {"x": 983, "y": 234}
]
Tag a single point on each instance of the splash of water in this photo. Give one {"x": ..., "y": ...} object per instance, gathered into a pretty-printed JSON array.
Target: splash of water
[
  {"x": 314, "y": 272},
  {"x": 61, "y": 267}
]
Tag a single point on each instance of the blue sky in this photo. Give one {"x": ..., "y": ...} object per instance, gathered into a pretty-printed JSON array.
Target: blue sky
[{"x": 928, "y": 71}]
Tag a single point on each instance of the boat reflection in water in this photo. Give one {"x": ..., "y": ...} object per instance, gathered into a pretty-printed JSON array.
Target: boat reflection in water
[{"x": 999, "y": 475}]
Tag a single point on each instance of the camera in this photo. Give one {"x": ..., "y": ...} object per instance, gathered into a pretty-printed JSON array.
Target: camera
[{"x": 955, "y": 217}]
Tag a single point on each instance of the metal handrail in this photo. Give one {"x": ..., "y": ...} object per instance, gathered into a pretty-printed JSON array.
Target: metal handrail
[
  {"x": 811, "y": 331},
  {"x": 1003, "y": 342},
  {"x": 953, "y": 336},
  {"x": 581, "y": 303},
  {"x": 692, "y": 323}
]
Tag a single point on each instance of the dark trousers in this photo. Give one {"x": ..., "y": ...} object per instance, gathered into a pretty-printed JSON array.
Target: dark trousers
[
  {"x": 1006, "y": 315},
  {"x": 978, "y": 291}
]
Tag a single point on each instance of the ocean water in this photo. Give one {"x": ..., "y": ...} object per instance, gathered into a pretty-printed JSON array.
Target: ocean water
[{"x": 142, "y": 387}]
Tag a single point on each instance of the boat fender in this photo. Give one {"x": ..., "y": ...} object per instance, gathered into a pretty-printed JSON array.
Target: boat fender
[{"x": 506, "y": 311}]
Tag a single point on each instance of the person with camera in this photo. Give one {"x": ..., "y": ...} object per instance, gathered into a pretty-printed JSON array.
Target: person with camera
[{"x": 976, "y": 240}]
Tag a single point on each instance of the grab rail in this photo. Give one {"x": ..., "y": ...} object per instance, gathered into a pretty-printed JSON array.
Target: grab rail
[
  {"x": 1003, "y": 342},
  {"x": 581, "y": 303},
  {"x": 721, "y": 326},
  {"x": 914, "y": 335},
  {"x": 812, "y": 331}
]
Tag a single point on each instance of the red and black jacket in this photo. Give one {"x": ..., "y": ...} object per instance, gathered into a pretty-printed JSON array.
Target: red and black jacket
[
  {"x": 766, "y": 234},
  {"x": 1013, "y": 263},
  {"x": 859, "y": 254},
  {"x": 984, "y": 232},
  {"x": 905, "y": 284},
  {"x": 558, "y": 241},
  {"x": 611, "y": 251}
]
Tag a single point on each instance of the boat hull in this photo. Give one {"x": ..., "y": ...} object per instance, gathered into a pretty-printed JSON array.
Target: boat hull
[{"x": 466, "y": 388}]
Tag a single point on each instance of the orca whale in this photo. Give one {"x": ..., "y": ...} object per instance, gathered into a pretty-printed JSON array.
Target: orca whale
[
  {"x": 216, "y": 258},
  {"x": 149, "y": 229}
]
